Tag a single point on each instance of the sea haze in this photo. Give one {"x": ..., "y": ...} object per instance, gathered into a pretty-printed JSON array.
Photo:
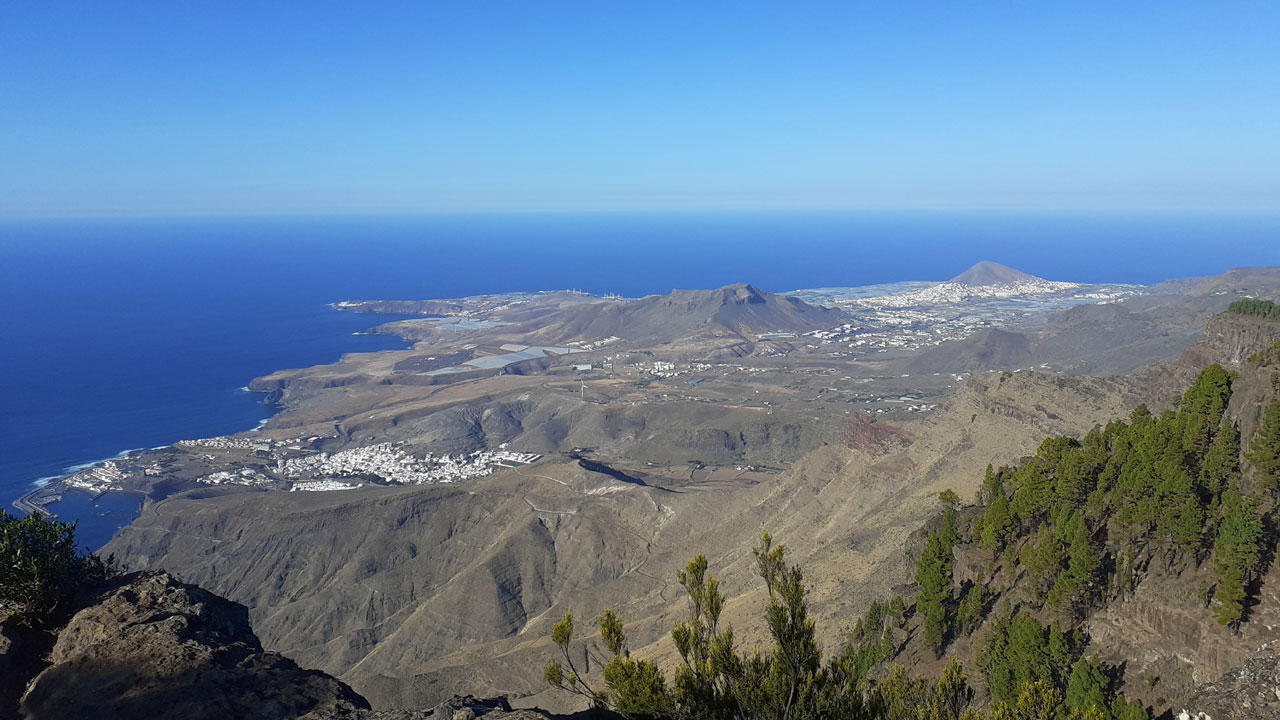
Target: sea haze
[{"x": 126, "y": 334}]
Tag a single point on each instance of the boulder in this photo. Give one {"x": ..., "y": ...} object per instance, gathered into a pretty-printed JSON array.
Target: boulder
[{"x": 155, "y": 647}]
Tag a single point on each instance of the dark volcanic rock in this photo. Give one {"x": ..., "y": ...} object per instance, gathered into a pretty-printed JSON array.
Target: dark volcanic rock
[
  {"x": 22, "y": 652},
  {"x": 155, "y": 647},
  {"x": 462, "y": 707}
]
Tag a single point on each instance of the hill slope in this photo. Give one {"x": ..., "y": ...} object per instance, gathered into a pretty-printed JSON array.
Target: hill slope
[
  {"x": 734, "y": 310},
  {"x": 990, "y": 273},
  {"x": 1147, "y": 544},
  {"x": 987, "y": 350},
  {"x": 414, "y": 593}
]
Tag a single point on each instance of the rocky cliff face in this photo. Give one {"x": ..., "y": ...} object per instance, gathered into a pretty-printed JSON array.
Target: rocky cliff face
[
  {"x": 1164, "y": 630},
  {"x": 1230, "y": 338}
]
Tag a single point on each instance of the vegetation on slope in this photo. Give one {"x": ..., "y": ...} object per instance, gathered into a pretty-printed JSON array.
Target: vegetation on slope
[
  {"x": 1073, "y": 528},
  {"x": 791, "y": 680},
  {"x": 1269, "y": 356},
  {"x": 1075, "y": 521},
  {"x": 41, "y": 570},
  {"x": 1252, "y": 306}
]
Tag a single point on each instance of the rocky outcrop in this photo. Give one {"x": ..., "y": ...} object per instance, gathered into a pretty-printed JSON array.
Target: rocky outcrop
[
  {"x": 22, "y": 653},
  {"x": 1247, "y": 692},
  {"x": 151, "y": 646},
  {"x": 1230, "y": 338},
  {"x": 155, "y": 647},
  {"x": 462, "y": 707}
]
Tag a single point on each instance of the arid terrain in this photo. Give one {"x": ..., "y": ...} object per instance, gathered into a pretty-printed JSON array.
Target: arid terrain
[{"x": 544, "y": 452}]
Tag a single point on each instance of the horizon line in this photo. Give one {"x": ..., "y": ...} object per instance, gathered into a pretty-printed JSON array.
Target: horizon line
[{"x": 497, "y": 212}]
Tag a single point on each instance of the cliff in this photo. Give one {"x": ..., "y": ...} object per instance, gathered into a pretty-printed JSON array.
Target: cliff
[{"x": 1230, "y": 338}]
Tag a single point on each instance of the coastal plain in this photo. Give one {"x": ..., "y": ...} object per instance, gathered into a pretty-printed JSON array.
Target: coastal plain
[{"x": 414, "y": 520}]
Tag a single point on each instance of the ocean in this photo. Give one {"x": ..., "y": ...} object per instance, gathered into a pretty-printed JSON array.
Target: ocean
[{"x": 121, "y": 334}]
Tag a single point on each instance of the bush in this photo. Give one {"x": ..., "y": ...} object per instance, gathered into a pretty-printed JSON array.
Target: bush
[{"x": 40, "y": 569}]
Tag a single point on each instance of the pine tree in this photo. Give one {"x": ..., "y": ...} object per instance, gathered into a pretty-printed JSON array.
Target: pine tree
[
  {"x": 703, "y": 680},
  {"x": 1237, "y": 550},
  {"x": 1122, "y": 709},
  {"x": 1076, "y": 583},
  {"x": 935, "y": 623},
  {"x": 933, "y": 575},
  {"x": 1230, "y": 597},
  {"x": 1180, "y": 517},
  {"x": 1238, "y": 543},
  {"x": 969, "y": 613},
  {"x": 997, "y": 522},
  {"x": 1041, "y": 558},
  {"x": 1264, "y": 452},
  {"x": 796, "y": 658},
  {"x": 1222, "y": 463},
  {"x": 1088, "y": 685},
  {"x": 993, "y": 655},
  {"x": 950, "y": 533},
  {"x": 1033, "y": 492},
  {"x": 1201, "y": 411},
  {"x": 636, "y": 688},
  {"x": 1073, "y": 478},
  {"x": 1062, "y": 653},
  {"x": 1255, "y": 306},
  {"x": 989, "y": 480},
  {"x": 897, "y": 609}
]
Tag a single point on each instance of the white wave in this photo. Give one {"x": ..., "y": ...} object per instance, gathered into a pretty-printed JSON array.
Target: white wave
[{"x": 73, "y": 469}]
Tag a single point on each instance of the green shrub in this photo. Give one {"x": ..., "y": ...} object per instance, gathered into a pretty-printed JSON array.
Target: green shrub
[{"x": 41, "y": 570}]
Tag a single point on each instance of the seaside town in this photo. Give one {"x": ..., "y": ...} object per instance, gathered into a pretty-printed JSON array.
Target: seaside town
[{"x": 290, "y": 464}]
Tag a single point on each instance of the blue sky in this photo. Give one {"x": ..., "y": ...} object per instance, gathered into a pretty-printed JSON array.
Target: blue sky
[{"x": 172, "y": 108}]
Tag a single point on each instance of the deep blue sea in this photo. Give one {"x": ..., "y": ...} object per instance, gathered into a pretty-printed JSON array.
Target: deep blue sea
[{"x": 125, "y": 334}]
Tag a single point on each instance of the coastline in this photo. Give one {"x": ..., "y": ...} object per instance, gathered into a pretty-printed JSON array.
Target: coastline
[
  {"x": 98, "y": 514},
  {"x": 39, "y": 498},
  {"x": 49, "y": 489},
  {"x": 36, "y": 499}
]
